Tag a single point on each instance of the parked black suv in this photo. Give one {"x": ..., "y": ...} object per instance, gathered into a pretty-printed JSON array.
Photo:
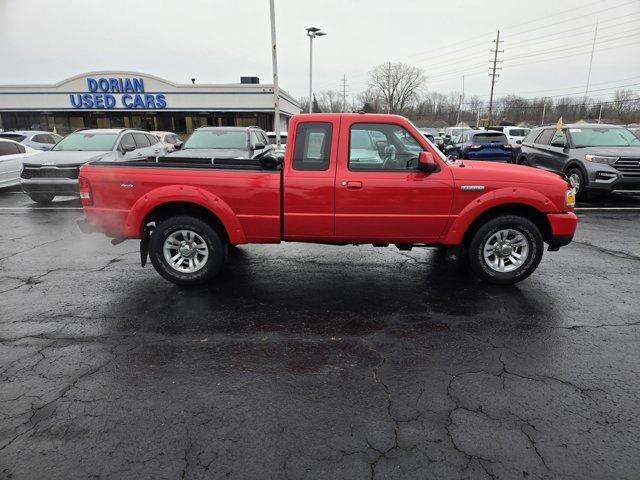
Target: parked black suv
[
  {"x": 224, "y": 143},
  {"x": 596, "y": 157}
]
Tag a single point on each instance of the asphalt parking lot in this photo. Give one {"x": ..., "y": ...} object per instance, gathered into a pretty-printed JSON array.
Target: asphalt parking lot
[{"x": 305, "y": 362}]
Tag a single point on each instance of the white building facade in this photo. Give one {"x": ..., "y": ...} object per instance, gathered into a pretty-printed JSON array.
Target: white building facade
[{"x": 121, "y": 99}]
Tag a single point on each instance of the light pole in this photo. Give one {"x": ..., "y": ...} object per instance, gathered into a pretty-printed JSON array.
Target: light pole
[
  {"x": 312, "y": 32},
  {"x": 274, "y": 61}
]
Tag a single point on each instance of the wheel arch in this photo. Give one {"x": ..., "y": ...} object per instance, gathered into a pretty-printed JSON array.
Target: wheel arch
[
  {"x": 184, "y": 200},
  {"x": 171, "y": 209},
  {"x": 527, "y": 211}
]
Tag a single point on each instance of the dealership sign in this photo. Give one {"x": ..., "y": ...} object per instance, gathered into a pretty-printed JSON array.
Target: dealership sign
[{"x": 108, "y": 93}]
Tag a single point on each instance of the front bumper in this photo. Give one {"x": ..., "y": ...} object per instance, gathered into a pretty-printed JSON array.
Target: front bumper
[
  {"x": 562, "y": 229},
  {"x": 55, "y": 186},
  {"x": 620, "y": 183}
]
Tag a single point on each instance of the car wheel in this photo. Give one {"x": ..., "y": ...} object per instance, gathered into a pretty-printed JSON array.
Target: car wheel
[
  {"x": 577, "y": 180},
  {"x": 187, "y": 250},
  {"x": 42, "y": 197},
  {"x": 505, "y": 250}
]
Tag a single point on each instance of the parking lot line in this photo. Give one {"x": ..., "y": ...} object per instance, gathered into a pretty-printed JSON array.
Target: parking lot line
[
  {"x": 41, "y": 208},
  {"x": 605, "y": 208}
]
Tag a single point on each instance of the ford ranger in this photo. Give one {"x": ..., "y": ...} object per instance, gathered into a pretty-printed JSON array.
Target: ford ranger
[{"x": 345, "y": 179}]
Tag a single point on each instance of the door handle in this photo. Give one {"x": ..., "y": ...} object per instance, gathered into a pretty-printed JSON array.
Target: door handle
[{"x": 353, "y": 185}]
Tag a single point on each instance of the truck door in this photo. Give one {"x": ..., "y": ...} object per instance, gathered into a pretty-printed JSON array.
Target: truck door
[
  {"x": 309, "y": 175},
  {"x": 380, "y": 194}
]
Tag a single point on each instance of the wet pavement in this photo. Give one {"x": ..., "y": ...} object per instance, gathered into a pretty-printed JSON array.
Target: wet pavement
[{"x": 305, "y": 361}]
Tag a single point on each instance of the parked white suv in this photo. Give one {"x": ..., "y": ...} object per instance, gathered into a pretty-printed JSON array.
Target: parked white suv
[{"x": 513, "y": 134}]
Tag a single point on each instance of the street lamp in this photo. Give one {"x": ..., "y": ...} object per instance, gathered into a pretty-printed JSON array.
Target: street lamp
[{"x": 312, "y": 32}]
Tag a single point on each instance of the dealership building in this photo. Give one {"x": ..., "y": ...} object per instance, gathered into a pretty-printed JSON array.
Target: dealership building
[{"x": 119, "y": 99}]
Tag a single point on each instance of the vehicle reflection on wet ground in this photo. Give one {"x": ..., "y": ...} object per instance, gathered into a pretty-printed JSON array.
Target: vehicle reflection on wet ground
[{"x": 315, "y": 361}]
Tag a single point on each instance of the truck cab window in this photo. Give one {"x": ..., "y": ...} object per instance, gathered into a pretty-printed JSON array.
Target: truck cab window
[
  {"x": 383, "y": 147},
  {"x": 312, "y": 147}
]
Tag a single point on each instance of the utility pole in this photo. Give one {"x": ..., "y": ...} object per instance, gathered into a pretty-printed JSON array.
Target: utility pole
[
  {"x": 544, "y": 109},
  {"x": 593, "y": 46},
  {"x": 276, "y": 87},
  {"x": 493, "y": 73},
  {"x": 344, "y": 92},
  {"x": 460, "y": 104},
  {"x": 600, "y": 114}
]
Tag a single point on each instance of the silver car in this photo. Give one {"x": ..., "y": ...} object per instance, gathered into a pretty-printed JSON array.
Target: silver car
[
  {"x": 36, "y": 139},
  {"x": 55, "y": 172}
]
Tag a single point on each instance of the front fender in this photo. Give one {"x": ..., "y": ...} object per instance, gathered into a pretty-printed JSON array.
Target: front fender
[
  {"x": 517, "y": 196},
  {"x": 184, "y": 194}
]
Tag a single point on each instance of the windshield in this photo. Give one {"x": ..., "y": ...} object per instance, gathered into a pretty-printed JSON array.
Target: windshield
[
  {"x": 237, "y": 139},
  {"x": 603, "y": 137},
  {"x": 93, "y": 142}
]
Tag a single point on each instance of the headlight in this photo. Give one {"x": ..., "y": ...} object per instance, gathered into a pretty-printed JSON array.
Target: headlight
[
  {"x": 570, "y": 198},
  {"x": 601, "y": 159}
]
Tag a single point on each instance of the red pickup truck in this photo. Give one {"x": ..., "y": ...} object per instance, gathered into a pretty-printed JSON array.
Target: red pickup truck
[{"x": 345, "y": 179}]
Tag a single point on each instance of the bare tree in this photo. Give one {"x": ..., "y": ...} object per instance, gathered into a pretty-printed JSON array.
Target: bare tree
[
  {"x": 624, "y": 102},
  {"x": 397, "y": 84},
  {"x": 330, "y": 101}
]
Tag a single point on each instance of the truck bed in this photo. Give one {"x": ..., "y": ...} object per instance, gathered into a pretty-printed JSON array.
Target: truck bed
[{"x": 125, "y": 192}]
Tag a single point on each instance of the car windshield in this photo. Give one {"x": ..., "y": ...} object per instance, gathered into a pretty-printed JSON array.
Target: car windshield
[
  {"x": 603, "y": 137},
  {"x": 237, "y": 139},
  {"x": 85, "y": 141},
  {"x": 13, "y": 136}
]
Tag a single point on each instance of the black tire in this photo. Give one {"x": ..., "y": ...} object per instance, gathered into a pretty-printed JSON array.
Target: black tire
[
  {"x": 217, "y": 250},
  {"x": 484, "y": 271},
  {"x": 42, "y": 197},
  {"x": 581, "y": 191}
]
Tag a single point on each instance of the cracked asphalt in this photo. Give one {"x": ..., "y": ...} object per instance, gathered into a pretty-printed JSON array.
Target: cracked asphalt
[{"x": 315, "y": 362}]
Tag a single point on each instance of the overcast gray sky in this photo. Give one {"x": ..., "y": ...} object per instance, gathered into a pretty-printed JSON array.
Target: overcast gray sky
[{"x": 547, "y": 43}]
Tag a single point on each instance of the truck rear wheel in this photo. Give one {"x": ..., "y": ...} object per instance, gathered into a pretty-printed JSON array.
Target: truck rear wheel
[
  {"x": 505, "y": 250},
  {"x": 186, "y": 250}
]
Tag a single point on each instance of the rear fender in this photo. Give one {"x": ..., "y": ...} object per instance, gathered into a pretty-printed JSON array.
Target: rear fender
[
  {"x": 184, "y": 194},
  {"x": 495, "y": 198}
]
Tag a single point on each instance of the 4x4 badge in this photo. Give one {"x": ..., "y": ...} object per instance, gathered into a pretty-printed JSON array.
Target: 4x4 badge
[{"x": 472, "y": 188}]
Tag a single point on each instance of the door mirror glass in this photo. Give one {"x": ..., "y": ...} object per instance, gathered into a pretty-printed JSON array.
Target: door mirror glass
[
  {"x": 178, "y": 145},
  {"x": 258, "y": 146},
  {"x": 127, "y": 147},
  {"x": 426, "y": 162},
  {"x": 558, "y": 143},
  {"x": 519, "y": 142}
]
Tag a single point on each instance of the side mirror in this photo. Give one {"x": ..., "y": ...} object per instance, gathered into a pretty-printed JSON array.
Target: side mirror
[
  {"x": 258, "y": 146},
  {"x": 270, "y": 161},
  {"x": 558, "y": 143},
  {"x": 128, "y": 148},
  {"x": 519, "y": 142},
  {"x": 426, "y": 162},
  {"x": 178, "y": 145}
]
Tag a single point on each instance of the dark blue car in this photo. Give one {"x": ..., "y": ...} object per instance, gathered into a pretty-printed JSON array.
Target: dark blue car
[{"x": 481, "y": 145}]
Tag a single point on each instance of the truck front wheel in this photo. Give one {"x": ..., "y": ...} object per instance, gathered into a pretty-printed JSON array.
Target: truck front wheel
[
  {"x": 505, "y": 250},
  {"x": 186, "y": 250}
]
